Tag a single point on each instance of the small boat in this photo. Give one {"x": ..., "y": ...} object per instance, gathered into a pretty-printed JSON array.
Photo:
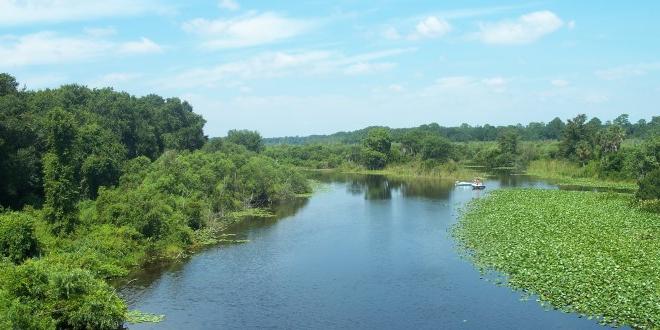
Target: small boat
[
  {"x": 478, "y": 186},
  {"x": 463, "y": 183}
]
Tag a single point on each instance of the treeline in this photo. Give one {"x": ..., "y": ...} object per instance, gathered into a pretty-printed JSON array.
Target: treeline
[
  {"x": 84, "y": 134},
  {"x": 608, "y": 151},
  {"x": 533, "y": 131},
  {"x": 106, "y": 182}
]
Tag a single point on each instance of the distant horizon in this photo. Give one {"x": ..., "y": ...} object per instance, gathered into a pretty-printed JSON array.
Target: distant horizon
[{"x": 315, "y": 68}]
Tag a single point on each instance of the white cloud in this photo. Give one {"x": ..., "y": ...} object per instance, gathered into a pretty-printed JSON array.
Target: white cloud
[
  {"x": 559, "y": 82},
  {"x": 279, "y": 64},
  {"x": 247, "y": 30},
  {"x": 627, "y": 71},
  {"x": 51, "y": 48},
  {"x": 48, "y": 48},
  {"x": 19, "y": 12},
  {"x": 431, "y": 27},
  {"x": 494, "y": 82},
  {"x": 526, "y": 29},
  {"x": 367, "y": 68},
  {"x": 143, "y": 46},
  {"x": 464, "y": 83},
  {"x": 229, "y": 4}
]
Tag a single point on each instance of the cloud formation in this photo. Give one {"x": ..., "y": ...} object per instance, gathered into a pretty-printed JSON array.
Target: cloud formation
[
  {"x": 21, "y": 12},
  {"x": 248, "y": 30},
  {"x": 279, "y": 64},
  {"x": 229, "y": 4},
  {"x": 51, "y": 48},
  {"x": 627, "y": 71},
  {"x": 526, "y": 29},
  {"x": 431, "y": 27}
]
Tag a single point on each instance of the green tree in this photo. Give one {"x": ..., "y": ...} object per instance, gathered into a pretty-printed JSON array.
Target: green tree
[
  {"x": 554, "y": 129},
  {"x": 436, "y": 147},
  {"x": 649, "y": 186},
  {"x": 60, "y": 184},
  {"x": 508, "y": 142},
  {"x": 249, "y": 139},
  {"x": 8, "y": 84},
  {"x": 576, "y": 139},
  {"x": 610, "y": 139},
  {"x": 378, "y": 139}
]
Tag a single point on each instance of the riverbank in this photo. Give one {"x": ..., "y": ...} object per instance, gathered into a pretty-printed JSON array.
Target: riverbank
[
  {"x": 447, "y": 171},
  {"x": 564, "y": 173},
  {"x": 585, "y": 252}
]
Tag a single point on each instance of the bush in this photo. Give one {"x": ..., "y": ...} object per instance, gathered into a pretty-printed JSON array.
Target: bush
[
  {"x": 17, "y": 239},
  {"x": 649, "y": 186},
  {"x": 58, "y": 296},
  {"x": 373, "y": 160}
]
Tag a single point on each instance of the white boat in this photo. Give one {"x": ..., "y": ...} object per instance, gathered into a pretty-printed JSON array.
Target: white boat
[
  {"x": 463, "y": 183},
  {"x": 470, "y": 184}
]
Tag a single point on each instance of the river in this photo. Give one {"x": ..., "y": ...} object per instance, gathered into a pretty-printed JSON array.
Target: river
[{"x": 363, "y": 252}]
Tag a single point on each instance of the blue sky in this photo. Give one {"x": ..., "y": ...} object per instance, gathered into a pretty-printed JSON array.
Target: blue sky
[{"x": 306, "y": 67}]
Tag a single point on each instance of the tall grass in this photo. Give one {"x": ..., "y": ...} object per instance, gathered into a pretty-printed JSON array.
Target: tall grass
[{"x": 566, "y": 173}]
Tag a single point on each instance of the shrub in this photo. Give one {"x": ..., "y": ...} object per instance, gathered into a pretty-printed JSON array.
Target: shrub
[
  {"x": 373, "y": 160},
  {"x": 17, "y": 239},
  {"x": 58, "y": 296},
  {"x": 649, "y": 186}
]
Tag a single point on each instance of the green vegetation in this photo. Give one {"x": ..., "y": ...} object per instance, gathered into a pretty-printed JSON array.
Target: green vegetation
[
  {"x": 586, "y": 153},
  {"x": 95, "y": 183},
  {"x": 591, "y": 253},
  {"x": 108, "y": 182},
  {"x": 136, "y": 316}
]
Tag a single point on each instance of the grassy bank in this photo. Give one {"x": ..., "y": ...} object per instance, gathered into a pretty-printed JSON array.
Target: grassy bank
[
  {"x": 590, "y": 253},
  {"x": 571, "y": 174},
  {"x": 418, "y": 169}
]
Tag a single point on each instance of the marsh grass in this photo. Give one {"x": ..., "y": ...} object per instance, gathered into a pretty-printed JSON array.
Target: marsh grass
[
  {"x": 595, "y": 254},
  {"x": 565, "y": 173},
  {"x": 449, "y": 171}
]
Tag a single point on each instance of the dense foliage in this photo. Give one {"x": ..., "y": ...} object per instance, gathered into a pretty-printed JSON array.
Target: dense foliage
[
  {"x": 583, "y": 151},
  {"x": 590, "y": 253},
  {"x": 109, "y": 182},
  {"x": 534, "y": 131},
  {"x": 77, "y": 139}
]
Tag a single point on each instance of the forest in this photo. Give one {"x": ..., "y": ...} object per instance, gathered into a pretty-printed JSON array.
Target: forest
[{"x": 96, "y": 183}]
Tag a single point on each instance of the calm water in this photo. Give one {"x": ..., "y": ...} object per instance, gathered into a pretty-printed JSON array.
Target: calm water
[{"x": 366, "y": 252}]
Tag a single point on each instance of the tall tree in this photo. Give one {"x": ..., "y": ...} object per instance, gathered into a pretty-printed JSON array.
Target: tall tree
[
  {"x": 251, "y": 140},
  {"x": 60, "y": 184},
  {"x": 554, "y": 129},
  {"x": 576, "y": 141}
]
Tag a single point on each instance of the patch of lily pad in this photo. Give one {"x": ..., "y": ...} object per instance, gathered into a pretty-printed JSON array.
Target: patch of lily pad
[{"x": 596, "y": 254}]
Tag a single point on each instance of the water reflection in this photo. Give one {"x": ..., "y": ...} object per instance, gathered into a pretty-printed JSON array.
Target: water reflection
[
  {"x": 366, "y": 252},
  {"x": 380, "y": 187}
]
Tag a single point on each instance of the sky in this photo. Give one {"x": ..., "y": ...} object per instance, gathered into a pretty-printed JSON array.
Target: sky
[{"x": 317, "y": 67}]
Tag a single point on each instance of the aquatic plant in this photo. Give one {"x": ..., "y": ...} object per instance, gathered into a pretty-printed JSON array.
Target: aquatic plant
[
  {"x": 591, "y": 253},
  {"x": 136, "y": 316}
]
